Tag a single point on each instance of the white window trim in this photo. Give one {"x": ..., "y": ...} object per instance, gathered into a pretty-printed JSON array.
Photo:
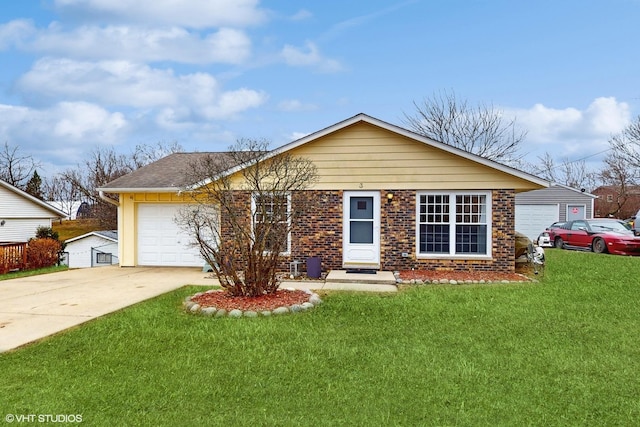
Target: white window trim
[
  {"x": 452, "y": 247},
  {"x": 253, "y": 215}
]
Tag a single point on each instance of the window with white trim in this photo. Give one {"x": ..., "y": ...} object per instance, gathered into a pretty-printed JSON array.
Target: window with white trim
[
  {"x": 271, "y": 219},
  {"x": 456, "y": 223}
]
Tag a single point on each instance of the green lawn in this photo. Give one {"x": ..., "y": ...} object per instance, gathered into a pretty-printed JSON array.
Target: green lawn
[
  {"x": 26, "y": 273},
  {"x": 565, "y": 351}
]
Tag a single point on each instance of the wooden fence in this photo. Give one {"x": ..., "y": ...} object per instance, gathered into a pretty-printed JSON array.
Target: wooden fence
[{"x": 13, "y": 256}]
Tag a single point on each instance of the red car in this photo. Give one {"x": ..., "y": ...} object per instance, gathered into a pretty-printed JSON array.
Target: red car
[{"x": 599, "y": 235}]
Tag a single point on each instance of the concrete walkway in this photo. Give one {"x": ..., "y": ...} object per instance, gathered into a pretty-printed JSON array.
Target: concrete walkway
[{"x": 38, "y": 306}]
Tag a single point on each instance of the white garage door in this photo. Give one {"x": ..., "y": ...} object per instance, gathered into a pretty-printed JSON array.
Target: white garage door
[
  {"x": 160, "y": 241},
  {"x": 531, "y": 220}
]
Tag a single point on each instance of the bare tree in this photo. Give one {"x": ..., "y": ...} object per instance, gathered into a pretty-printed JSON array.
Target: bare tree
[
  {"x": 144, "y": 154},
  {"x": 621, "y": 173},
  {"x": 63, "y": 192},
  {"x": 574, "y": 174},
  {"x": 242, "y": 221},
  {"x": 16, "y": 168},
  {"x": 482, "y": 130},
  {"x": 621, "y": 177},
  {"x": 627, "y": 143},
  {"x": 103, "y": 166}
]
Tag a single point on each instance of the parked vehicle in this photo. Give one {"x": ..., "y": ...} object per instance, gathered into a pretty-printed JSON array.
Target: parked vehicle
[
  {"x": 545, "y": 239},
  {"x": 635, "y": 225},
  {"x": 599, "y": 235}
]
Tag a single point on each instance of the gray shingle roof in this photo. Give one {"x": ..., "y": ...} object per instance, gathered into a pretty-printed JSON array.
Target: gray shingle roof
[{"x": 168, "y": 173}]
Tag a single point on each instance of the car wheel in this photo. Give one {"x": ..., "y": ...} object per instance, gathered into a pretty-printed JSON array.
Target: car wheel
[
  {"x": 599, "y": 246},
  {"x": 558, "y": 243}
]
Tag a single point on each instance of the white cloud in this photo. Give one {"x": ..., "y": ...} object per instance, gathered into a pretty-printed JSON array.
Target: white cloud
[
  {"x": 571, "y": 132},
  {"x": 186, "y": 13},
  {"x": 122, "y": 83},
  {"x": 62, "y": 131},
  {"x": 309, "y": 57},
  {"x": 143, "y": 44},
  {"x": 301, "y": 15},
  {"x": 290, "y": 105},
  {"x": 14, "y": 32},
  {"x": 297, "y": 135}
]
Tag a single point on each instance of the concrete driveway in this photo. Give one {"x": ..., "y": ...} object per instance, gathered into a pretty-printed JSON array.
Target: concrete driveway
[{"x": 38, "y": 306}]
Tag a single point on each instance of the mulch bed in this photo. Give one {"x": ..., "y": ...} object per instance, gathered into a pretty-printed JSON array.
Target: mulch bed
[
  {"x": 222, "y": 300},
  {"x": 461, "y": 276}
]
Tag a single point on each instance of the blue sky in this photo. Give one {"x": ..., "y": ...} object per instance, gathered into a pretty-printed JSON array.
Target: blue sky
[{"x": 83, "y": 73}]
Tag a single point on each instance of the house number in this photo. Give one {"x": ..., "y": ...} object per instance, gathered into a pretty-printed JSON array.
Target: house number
[{"x": 361, "y": 186}]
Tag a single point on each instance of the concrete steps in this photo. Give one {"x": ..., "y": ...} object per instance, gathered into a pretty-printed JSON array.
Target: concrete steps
[{"x": 379, "y": 281}]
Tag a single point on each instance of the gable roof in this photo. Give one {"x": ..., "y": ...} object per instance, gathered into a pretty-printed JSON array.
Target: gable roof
[
  {"x": 167, "y": 174},
  {"x": 55, "y": 213},
  {"x": 110, "y": 235}
]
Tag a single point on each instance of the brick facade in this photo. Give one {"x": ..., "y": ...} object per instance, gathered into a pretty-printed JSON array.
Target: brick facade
[{"x": 319, "y": 233}]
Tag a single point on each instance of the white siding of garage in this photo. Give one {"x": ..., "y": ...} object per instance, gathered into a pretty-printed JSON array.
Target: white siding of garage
[
  {"x": 161, "y": 242},
  {"x": 531, "y": 220},
  {"x": 81, "y": 251},
  {"x": 562, "y": 196}
]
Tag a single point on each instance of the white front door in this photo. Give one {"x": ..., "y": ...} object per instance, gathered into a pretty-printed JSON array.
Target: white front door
[{"x": 361, "y": 229}]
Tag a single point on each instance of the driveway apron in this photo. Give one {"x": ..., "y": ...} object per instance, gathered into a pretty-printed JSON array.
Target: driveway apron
[{"x": 35, "y": 307}]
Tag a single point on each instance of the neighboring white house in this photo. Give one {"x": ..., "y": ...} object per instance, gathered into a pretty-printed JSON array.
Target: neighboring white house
[
  {"x": 94, "y": 249},
  {"x": 21, "y": 214},
  {"x": 538, "y": 209}
]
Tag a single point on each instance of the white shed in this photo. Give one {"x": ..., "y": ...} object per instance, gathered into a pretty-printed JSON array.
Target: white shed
[
  {"x": 94, "y": 249},
  {"x": 21, "y": 214}
]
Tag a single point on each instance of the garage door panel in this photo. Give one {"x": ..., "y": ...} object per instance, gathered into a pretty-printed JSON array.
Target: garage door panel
[
  {"x": 531, "y": 220},
  {"x": 161, "y": 242}
]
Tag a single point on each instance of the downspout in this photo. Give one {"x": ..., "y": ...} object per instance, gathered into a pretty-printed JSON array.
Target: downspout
[{"x": 107, "y": 199}]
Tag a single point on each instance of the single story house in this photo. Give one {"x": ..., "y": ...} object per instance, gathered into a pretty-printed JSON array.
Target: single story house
[
  {"x": 94, "y": 249},
  {"x": 538, "y": 209},
  {"x": 21, "y": 214},
  {"x": 418, "y": 203}
]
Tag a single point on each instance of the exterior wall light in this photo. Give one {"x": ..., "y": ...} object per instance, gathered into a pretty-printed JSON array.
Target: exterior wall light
[{"x": 389, "y": 197}]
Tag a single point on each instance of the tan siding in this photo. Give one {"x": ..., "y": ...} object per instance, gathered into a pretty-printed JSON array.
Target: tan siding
[
  {"x": 363, "y": 156},
  {"x": 127, "y": 221}
]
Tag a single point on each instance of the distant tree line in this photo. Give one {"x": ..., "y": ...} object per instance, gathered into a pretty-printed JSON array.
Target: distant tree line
[{"x": 79, "y": 184}]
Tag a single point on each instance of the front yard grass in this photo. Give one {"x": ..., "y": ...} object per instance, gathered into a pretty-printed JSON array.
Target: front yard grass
[
  {"x": 561, "y": 352},
  {"x": 35, "y": 272}
]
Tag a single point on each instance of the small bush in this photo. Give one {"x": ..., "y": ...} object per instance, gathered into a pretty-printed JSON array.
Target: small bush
[
  {"x": 47, "y": 233},
  {"x": 42, "y": 252}
]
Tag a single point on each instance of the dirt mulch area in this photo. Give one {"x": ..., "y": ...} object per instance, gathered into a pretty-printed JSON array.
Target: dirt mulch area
[
  {"x": 222, "y": 300},
  {"x": 461, "y": 276}
]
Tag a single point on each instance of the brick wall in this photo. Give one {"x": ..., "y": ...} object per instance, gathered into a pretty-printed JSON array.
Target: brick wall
[
  {"x": 319, "y": 232},
  {"x": 398, "y": 235},
  {"x": 319, "y": 229}
]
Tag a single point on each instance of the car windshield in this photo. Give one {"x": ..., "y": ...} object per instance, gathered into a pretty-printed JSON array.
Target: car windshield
[{"x": 608, "y": 226}]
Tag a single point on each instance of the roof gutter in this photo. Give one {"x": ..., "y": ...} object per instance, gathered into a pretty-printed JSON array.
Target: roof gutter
[{"x": 107, "y": 199}]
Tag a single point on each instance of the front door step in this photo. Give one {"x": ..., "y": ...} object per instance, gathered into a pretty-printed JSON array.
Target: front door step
[{"x": 346, "y": 276}]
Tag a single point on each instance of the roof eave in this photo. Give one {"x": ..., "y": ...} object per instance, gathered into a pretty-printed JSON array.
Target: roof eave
[{"x": 141, "y": 190}]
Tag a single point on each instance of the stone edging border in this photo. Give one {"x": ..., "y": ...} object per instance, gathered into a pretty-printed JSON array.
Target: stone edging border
[
  {"x": 195, "y": 308},
  {"x": 399, "y": 281}
]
